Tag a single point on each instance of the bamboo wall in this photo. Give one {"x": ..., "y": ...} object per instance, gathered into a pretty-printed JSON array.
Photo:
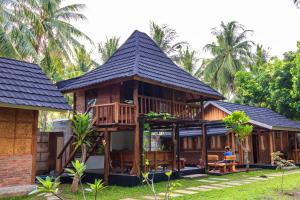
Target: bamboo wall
[{"x": 17, "y": 145}]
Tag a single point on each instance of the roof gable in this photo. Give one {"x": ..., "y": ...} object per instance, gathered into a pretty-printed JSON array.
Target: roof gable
[
  {"x": 24, "y": 85},
  {"x": 140, "y": 56},
  {"x": 259, "y": 116}
]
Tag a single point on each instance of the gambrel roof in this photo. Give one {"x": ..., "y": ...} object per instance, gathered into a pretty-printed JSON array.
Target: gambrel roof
[
  {"x": 141, "y": 58},
  {"x": 259, "y": 116},
  {"x": 24, "y": 85}
]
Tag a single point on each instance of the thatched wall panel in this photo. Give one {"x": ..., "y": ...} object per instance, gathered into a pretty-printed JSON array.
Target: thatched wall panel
[
  {"x": 7, "y": 129},
  {"x": 24, "y": 130}
]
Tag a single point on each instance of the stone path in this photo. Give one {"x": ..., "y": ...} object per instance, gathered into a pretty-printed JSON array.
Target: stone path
[{"x": 213, "y": 183}]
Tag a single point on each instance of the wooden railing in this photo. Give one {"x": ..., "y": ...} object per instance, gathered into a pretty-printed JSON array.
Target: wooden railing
[
  {"x": 114, "y": 113},
  {"x": 176, "y": 109}
]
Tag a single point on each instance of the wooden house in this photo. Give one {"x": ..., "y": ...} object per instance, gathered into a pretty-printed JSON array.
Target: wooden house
[
  {"x": 272, "y": 132},
  {"x": 24, "y": 90},
  {"x": 139, "y": 78}
]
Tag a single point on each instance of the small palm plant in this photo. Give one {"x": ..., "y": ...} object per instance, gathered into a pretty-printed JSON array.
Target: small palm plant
[
  {"x": 77, "y": 173},
  {"x": 47, "y": 187},
  {"x": 95, "y": 188},
  {"x": 82, "y": 128}
]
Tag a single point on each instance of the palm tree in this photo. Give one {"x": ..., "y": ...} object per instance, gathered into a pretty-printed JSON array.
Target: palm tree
[
  {"x": 15, "y": 35},
  {"x": 108, "y": 48},
  {"x": 296, "y": 2},
  {"x": 165, "y": 37},
  {"x": 187, "y": 59},
  {"x": 39, "y": 29},
  {"x": 231, "y": 52}
]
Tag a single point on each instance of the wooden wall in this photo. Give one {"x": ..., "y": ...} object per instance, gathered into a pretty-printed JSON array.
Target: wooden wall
[
  {"x": 213, "y": 113},
  {"x": 18, "y": 130}
]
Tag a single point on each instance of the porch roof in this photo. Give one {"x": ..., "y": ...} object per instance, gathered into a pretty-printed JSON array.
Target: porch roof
[
  {"x": 262, "y": 117},
  {"x": 141, "y": 59},
  {"x": 24, "y": 85},
  {"x": 193, "y": 132}
]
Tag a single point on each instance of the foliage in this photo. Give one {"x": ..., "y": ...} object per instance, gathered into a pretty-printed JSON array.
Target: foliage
[
  {"x": 82, "y": 128},
  {"x": 47, "y": 187},
  {"x": 188, "y": 60},
  {"x": 77, "y": 173},
  {"x": 274, "y": 85},
  {"x": 165, "y": 37},
  {"x": 95, "y": 188},
  {"x": 238, "y": 122},
  {"x": 231, "y": 53},
  {"x": 108, "y": 48},
  {"x": 162, "y": 115}
]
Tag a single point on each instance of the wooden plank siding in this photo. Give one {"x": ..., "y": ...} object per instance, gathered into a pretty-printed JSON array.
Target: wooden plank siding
[{"x": 213, "y": 113}]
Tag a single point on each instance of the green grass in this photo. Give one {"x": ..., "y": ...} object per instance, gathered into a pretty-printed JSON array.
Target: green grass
[{"x": 257, "y": 190}]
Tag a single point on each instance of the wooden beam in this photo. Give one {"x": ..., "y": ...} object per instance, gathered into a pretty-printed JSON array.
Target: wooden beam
[
  {"x": 136, "y": 146},
  {"x": 271, "y": 145},
  {"x": 296, "y": 148},
  {"x": 34, "y": 145},
  {"x": 203, "y": 153},
  {"x": 106, "y": 157},
  {"x": 232, "y": 142},
  {"x": 174, "y": 147}
]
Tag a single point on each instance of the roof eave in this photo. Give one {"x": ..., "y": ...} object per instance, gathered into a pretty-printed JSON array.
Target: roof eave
[{"x": 27, "y": 107}]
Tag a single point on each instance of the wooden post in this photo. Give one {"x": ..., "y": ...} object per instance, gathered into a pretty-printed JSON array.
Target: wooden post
[
  {"x": 228, "y": 140},
  {"x": 296, "y": 148},
  {"x": 136, "y": 146},
  {"x": 204, "y": 153},
  {"x": 271, "y": 146},
  {"x": 174, "y": 147},
  {"x": 106, "y": 156},
  {"x": 202, "y": 111},
  {"x": 34, "y": 146},
  {"x": 232, "y": 142}
]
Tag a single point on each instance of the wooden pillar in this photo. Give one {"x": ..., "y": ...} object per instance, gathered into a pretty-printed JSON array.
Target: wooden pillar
[
  {"x": 106, "y": 156},
  {"x": 204, "y": 147},
  {"x": 202, "y": 110},
  {"x": 296, "y": 148},
  {"x": 228, "y": 139},
  {"x": 136, "y": 145},
  {"x": 271, "y": 145},
  {"x": 34, "y": 146},
  {"x": 232, "y": 142},
  {"x": 174, "y": 147}
]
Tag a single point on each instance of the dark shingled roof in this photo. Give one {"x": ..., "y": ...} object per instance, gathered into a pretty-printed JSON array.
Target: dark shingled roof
[
  {"x": 263, "y": 117},
  {"x": 24, "y": 84},
  {"x": 193, "y": 132},
  {"x": 140, "y": 56}
]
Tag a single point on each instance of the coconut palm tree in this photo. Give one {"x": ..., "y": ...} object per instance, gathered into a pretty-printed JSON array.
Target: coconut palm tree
[
  {"x": 231, "y": 52},
  {"x": 188, "y": 60},
  {"x": 108, "y": 48},
  {"x": 165, "y": 37},
  {"x": 38, "y": 29}
]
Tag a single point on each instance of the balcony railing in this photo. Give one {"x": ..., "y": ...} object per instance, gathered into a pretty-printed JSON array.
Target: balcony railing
[
  {"x": 176, "y": 109},
  {"x": 114, "y": 113}
]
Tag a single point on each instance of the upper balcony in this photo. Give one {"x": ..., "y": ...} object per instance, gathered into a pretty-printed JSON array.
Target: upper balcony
[{"x": 124, "y": 114}]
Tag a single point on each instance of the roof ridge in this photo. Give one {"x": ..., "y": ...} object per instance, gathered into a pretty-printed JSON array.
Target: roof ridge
[
  {"x": 245, "y": 105},
  {"x": 137, "y": 50}
]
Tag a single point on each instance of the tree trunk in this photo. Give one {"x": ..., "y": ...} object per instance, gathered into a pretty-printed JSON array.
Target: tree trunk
[
  {"x": 83, "y": 153},
  {"x": 75, "y": 182},
  {"x": 246, "y": 153}
]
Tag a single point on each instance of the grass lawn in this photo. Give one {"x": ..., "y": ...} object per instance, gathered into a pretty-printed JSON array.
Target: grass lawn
[{"x": 267, "y": 189}]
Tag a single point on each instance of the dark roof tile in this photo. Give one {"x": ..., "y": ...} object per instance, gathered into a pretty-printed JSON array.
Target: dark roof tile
[
  {"x": 140, "y": 56},
  {"x": 25, "y": 84}
]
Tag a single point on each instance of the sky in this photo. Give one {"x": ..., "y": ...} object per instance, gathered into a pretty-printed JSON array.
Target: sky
[{"x": 275, "y": 22}]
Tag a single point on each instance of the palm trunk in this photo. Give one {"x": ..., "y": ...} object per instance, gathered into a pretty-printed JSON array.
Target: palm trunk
[
  {"x": 83, "y": 153},
  {"x": 75, "y": 182},
  {"x": 246, "y": 154}
]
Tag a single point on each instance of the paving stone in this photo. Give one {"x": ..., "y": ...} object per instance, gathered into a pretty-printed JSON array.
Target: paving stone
[
  {"x": 128, "y": 199},
  {"x": 185, "y": 192},
  {"x": 151, "y": 198},
  {"x": 221, "y": 185},
  {"x": 172, "y": 194},
  {"x": 219, "y": 179},
  {"x": 256, "y": 178},
  {"x": 196, "y": 189},
  {"x": 233, "y": 183},
  {"x": 194, "y": 176},
  {"x": 209, "y": 187},
  {"x": 206, "y": 181}
]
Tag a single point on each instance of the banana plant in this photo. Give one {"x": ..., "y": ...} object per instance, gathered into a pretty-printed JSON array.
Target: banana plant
[{"x": 77, "y": 173}]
